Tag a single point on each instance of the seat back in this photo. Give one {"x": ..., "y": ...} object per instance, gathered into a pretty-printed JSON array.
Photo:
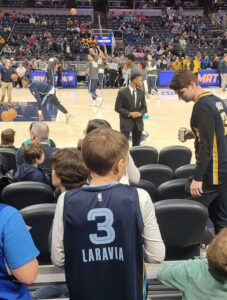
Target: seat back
[
  {"x": 39, "y": 218},
  {"x": 182, "y": 224},
  {"x": 144, "y": 155},
  {"x": 185, "y": 171},
  {"x": 172, "y": 189},
  {"x": 26, "y": 193},
  {"x": 9, "y": 158},
  {"x": 156, "y": 173},
  {"x": 175, "y": 156},
  {"x": 149, "y": 187}
]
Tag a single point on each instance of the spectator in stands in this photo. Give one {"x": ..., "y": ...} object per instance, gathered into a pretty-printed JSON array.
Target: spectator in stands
[
  {"x": 205, "y": 62},
  {"x": 107, "y": 167},
  {"x": 152, "y": 74},
  {"x": 7, "y": 83},
  {"x": 200, "y": 278},
  {"x": 39, "y": 134},
  {"x": 7, "y": 139},
  {"x": 18, "y": 264},
  {"x": 196, "y": 65},
  {"x": 2, "y": 41},
  {"x": 176, "y": 64},
  {"x": 33, "y": 155},
  {"x": 21, "y": 71},
  {"x": 186, "y": 63},
  {"x": 130, "y": 63},
  {"x": 223, "y": 71}
]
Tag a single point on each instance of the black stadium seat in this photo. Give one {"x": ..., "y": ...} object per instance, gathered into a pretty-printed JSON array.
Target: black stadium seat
[
  {"x": 182, "y": 224},
  {"x": 184, "y": 171},
  {"x": 173, "y": 189},
  {"x": 175, "y": 156},
  {"x": 156, "y": 173},
  {"x": 39, "y": 218},
  {"x": 26, "y": 193},
  {"x": 144, "y": 155},
  {"x": 149, "y": 187}
]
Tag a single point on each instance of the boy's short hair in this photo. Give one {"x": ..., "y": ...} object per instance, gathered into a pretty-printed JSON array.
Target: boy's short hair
[
  {"x": 32, "y": 152},
  {"x": 102, "y": 148},
  {"x": 7, "y": 136},
  {"x": 130, "y": 56},
  {"x": 217, "y": 256},
  {"x": 69, "y": 167},
  {"x": 182, "y": 79},
  {"x": 135, "y": 76}
]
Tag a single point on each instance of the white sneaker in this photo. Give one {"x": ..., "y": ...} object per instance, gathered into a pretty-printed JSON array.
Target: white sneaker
[
  {"x": 99, "y": 101},
  {"x": 94, "y": 103},
  {"x": 67, "y": 117}
]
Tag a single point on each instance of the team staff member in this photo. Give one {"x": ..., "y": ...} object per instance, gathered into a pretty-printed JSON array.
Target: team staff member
[
  {"x": 103, "y": 231},
  {"x": 44, "y": 93},
  {"x": 131, "y": 106},
  {"x": 7, "y": 83},
  {"x": 209, "y": 128}
]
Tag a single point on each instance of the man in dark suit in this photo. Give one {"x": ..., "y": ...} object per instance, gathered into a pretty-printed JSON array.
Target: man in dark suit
[{"x": 131, "y": 106}]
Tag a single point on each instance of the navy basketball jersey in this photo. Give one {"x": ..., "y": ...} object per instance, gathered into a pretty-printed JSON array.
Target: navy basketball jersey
[
  {"x": 103, "y": 243},
  {"x": 216, "y": 172}
]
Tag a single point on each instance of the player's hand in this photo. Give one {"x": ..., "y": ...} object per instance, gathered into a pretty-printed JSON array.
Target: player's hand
[
  {"x": 189, "y": 135},
  {"x": 40, "y": 116},
  {"x": 196, "y": 188}
]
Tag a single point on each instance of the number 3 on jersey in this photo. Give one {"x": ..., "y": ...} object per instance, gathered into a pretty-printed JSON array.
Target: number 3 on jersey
[{"x": 105, "y": 226}]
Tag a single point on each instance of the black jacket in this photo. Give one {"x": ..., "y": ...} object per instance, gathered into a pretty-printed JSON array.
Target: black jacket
[
  {"x": 125, "y": 104},
  {"x": 26, "y": 172}
]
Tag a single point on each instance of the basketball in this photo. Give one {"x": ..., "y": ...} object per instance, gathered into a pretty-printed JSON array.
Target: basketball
[
  {"x": 8, "y": 115},
  {"x": 73, "y": 11},
  {"x": 14, "y": 77}
]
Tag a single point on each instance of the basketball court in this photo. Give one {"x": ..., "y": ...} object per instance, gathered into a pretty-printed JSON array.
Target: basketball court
[{"x": 167, "y": 115}]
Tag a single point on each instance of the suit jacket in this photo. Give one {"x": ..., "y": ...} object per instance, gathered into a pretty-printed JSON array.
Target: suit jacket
[{"x": 125, "y": 104}]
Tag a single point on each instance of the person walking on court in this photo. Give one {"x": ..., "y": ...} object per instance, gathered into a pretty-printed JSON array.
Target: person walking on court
[
  {"x": 93, "y": 78},
  {"x": 131, "y": 106},
  {"x": 44, "y": 94},
  {"x": 7, "y": 82},
  {"x": 209, "y": 129},
  {"x": 223, "y": 71}
]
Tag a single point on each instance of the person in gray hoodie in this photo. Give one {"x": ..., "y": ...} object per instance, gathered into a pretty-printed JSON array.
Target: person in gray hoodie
[{"x": 33, "y": 155}]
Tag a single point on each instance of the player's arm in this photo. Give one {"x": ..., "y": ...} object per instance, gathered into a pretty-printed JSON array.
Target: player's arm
[{"x": 206, "y": 132}]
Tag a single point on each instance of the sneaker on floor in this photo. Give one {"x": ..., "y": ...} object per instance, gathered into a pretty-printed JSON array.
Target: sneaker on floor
[
  {"x": 68, "y": 116},
  {"x": 99, "y": 101},
  {"x": 145, "y": 136},
  {"x": 94, "y": 103}
]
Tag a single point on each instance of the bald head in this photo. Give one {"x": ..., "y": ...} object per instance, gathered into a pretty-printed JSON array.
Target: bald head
[{"x": 39, "y": 132}]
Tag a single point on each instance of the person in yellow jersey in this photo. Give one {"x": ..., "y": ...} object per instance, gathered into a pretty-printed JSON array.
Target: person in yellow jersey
[
  {"x": 186, "y": 63},
  {"x": 176, "y": 65},
  {"x": 196, "y": 63}
]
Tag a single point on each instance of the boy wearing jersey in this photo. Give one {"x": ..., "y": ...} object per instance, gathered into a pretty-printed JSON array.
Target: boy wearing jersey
[
  {"x": 209, "y": 128},
  {"x": 103, "y": 231}
]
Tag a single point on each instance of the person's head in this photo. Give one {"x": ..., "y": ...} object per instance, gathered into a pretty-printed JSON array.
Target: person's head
[
  {"x": 225, "y": 57},
  {"x": 7, "y": 137},
  {"x": 217, "y": 256},
  {"x": 25, "y": 81},
  {"x": 136, "y": 80},
  {"x": 95, "y": 124},
  {"x": 39, "y": 132},
  {"x": 68, "y": 169},
  {"x": 185, "y": 84},
  {"x": 149, "y": 56},
  {"x": 129, "y": 59},
  {"x": 7, "y": 63},
  {"x": 142, "y": 65},
  {"x": 33, "y": 154},
  {"x": 105, "y": 152}
]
